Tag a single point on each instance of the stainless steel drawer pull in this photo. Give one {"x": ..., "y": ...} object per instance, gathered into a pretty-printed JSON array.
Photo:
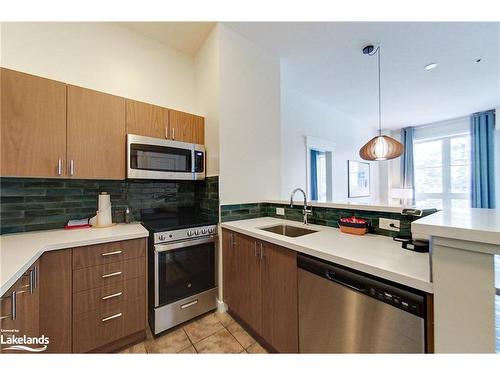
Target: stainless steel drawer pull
[
  {"x": 32, "y": 280},
  {"x": 35, "y": 277},
  {"x": 112, "y": 317},
  {"x": 111, "y": 253},
  {"x": 59, "y": 167},
  {"x": 112, "y": 274},
  {"x": 112, "y": 295},
  {"x": 189, "y": 304}
]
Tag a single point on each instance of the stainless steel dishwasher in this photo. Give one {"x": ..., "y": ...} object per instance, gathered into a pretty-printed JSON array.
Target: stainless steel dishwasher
[{"x": 344, "y": 311}]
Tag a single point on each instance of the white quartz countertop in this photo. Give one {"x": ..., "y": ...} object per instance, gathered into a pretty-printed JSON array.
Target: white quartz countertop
[
  {"x": 473, "y": 224},
  {"x": 373, "y": 254},
  {"x": 20, "y": 250}
]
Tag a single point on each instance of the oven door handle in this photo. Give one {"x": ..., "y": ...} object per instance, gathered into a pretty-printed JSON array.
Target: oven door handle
[{"x": 180, "y": 245}]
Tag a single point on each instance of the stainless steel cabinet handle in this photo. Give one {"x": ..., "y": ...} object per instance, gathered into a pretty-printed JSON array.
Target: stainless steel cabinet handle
[
  {"x": 112, "y": 295},
  {"x": 71, "y": 167},
  {"x": 32, "y": 280},
  {"x": 255, "y": 248},
  {"x": 111, "y": 274},
  {"x": 59, "y": 167},
  {"x": 261, "y": 252},
  {"x": 112, "y": 317},
  {"x": 232, "y": 241},
  {"x": 13, "y": 308},
  {"x": 173, "y": 133},
  {"x": 111, "y": 253},
  {"x": 166, "y": 133},
  {"x": 35, "y": 277},
  {"x": 189, "y": 304}
]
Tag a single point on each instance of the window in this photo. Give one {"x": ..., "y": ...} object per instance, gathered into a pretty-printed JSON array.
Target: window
[
  {"x": 321, "y": 175},
  {"x": 442, "y": 167}
]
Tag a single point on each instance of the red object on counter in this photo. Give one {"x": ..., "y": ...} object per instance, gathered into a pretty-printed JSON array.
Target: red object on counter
[
  {"x": 77, "y": 226},
  {"x": 353, "y": 225},
  {"x": 353, "y": 219}
]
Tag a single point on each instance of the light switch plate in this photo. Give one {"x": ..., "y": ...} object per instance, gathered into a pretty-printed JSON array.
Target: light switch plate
[
  {"x": 280, "y": 211},
  {"x": 386, "y": 224}
]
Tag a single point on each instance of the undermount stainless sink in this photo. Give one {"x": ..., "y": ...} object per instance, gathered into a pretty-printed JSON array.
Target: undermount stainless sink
[{"x": 289, "y": 230}]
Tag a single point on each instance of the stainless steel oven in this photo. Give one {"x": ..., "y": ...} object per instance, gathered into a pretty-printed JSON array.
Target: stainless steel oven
[
  {"x": 163, "y": 159},
  {"x": 183, "y": 276}
]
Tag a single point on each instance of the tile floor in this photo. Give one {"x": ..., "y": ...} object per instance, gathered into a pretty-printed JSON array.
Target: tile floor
[{"x": 210, "y": 333}]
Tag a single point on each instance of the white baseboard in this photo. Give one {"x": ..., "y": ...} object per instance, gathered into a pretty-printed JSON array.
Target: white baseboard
[{"x": 221, "y": 306}]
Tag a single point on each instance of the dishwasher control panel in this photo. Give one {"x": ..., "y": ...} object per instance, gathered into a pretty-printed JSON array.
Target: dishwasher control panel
[{"x": 396, "y": 300}]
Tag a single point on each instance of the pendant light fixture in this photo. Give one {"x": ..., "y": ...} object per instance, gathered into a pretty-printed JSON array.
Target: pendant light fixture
[{"x": 380, "y": 147}]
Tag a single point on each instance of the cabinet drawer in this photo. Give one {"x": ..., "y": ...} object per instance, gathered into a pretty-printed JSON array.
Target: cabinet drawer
[
  {"x": 97, "y": 328},
  {"x": 102, "y": 298},
  {"x": 88, "y": 256},
  {"x": 107, "y": 274}
]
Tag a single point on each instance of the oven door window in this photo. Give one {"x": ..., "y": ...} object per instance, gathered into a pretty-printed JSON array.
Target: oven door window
[
  {"x": 160, "y": 158},
  {"x": 185, "y": 271}
]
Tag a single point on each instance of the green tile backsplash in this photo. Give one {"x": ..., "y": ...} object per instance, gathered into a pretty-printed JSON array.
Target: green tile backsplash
[
  {"x": 321, "y": 215},
  {"x": 35, "y": 204}
]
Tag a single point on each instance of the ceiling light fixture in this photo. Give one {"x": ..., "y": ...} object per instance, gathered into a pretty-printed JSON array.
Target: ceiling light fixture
[
  {"x": 380, "y": 147},
  {"x": 430, "y": 66}
]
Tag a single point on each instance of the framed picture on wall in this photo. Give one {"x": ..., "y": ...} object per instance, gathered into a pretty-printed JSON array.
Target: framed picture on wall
[{"x": 358, "y": 179}]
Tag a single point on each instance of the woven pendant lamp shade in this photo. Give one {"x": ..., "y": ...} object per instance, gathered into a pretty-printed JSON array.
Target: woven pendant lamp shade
[{"x": 381, "y": 147}]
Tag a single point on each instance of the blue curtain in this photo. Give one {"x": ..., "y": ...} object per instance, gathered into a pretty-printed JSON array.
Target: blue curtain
[
  {"x": 482, "y": 159},
  {"x": 314, "y": 175},
  {"x": 407, "y": 167}
]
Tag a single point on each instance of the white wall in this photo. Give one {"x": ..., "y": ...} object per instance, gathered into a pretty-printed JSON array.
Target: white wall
[
  {"x": 207, "y": 71},
  {"x": 249, "y": 120},
  {"x": 303, "y": 116},
  {"x": 102, "y": 56}
]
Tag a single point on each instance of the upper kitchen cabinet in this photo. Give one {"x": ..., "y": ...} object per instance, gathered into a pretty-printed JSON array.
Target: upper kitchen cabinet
[
  {"x": 33, "y": 125},
  {"x": 147, "y": 119},
  {"x": 96, "y": 134},
  {"x": 185, "y": 127}
]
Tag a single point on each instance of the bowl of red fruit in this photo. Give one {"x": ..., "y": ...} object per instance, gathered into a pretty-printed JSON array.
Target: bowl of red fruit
[{"x": 353, "y": 225}]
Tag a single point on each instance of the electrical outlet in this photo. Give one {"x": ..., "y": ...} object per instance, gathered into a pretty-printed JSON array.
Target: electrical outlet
[
  {"x": 388, "y": 224},
  {"x": 280, "y": 211}
]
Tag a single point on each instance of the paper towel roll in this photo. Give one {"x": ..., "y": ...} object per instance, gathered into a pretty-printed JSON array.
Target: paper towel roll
[
  {"x": 104, "y": 201},
  {"x": 103, "y": 217}
]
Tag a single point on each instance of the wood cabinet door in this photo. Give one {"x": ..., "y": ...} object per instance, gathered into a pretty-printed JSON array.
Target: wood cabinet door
[
  {"x": 27, "y": 311},
  {"x": 185, "y": 127},
  {"x": 96, "y": 134},
  {"x": 147, "y": 119},
  {"x": 33, "y": 125},
  {"x": 279, "y": 298},
  {"x": 249, "y": 281},
  {"x": 229, "y": 270},
  {"x": 55, "y": 284}
]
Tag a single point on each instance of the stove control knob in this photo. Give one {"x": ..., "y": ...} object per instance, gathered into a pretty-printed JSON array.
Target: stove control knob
[
  {"x": 189, "y": 233},
  {"x": 204, "y": 231},
  {"x": 161, "y": 237},
  {"x": 197, "y": 232}
]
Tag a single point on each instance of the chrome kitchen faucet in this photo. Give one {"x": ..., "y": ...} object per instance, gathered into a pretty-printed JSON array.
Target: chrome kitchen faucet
[{"x": 305, "y": 211}]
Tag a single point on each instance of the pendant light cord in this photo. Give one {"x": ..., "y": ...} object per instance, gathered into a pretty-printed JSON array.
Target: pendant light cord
[
  {"x": 377, "y": 51},
  {"x": 379, "y": 97}
]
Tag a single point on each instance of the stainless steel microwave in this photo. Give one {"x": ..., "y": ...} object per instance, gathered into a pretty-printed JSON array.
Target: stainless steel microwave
[{"x": 163, "y": 159}]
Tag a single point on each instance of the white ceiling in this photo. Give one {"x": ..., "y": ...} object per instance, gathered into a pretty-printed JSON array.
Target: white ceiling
[
  {"x": 324, "y": 60},
  {"x": 186, "y": 37}
]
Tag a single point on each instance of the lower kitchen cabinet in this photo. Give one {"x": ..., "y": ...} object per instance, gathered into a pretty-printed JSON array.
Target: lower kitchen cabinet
[
  {"x": 260, "y": 288},
  {"x": 20, "y": 309},
  {"x": 86, "y": 299}
]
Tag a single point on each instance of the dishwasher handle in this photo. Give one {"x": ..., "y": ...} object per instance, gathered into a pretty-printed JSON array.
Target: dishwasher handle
[{"x": 332, "y": 276}]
